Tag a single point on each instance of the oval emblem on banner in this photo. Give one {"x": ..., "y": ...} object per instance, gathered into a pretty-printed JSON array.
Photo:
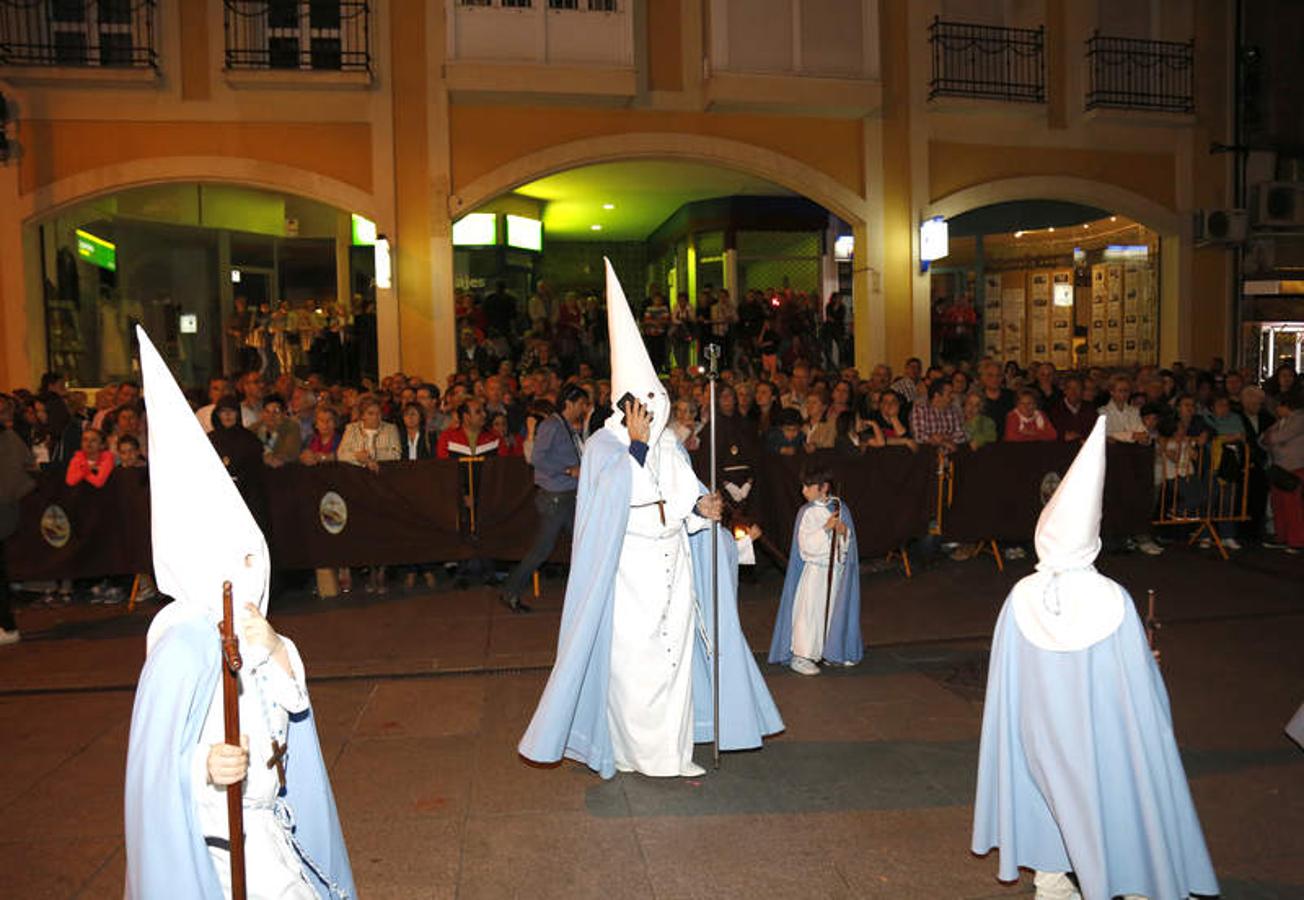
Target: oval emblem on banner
[
  {"x": 55, "y": 527},
  {"x": 333, "y": 512},
  {"x": 1050, "y": 482}
]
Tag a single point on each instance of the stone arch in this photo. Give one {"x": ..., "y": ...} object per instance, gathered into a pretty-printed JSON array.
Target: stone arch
[
  {"x": 761, "y": 162},
  {"x": 1175, "y": 309},
  {"x": 1059, "y": 187},
  {"x": 215, "y": 169}
]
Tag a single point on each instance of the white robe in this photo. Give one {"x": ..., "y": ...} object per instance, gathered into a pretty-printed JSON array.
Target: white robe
[
  {"x": 650, "y": 696},
  {"x": 272, "y": 867},
  {"x": 809, "y": 606}
]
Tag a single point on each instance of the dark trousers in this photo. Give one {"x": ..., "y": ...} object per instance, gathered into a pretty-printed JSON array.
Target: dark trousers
[
  {"x": 556, "y": 515},
  {"x": 6, "y": 609}
]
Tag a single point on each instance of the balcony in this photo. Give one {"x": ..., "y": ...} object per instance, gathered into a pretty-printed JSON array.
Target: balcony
[
  {"x": 78, "y": 34},
  {"x": 527, "y": 48},
  {"x": 1135, "y": 74},
  {"x": 988, "y": 62},
  {"x": 298, "y": 36},
  {"x": 780, "y": 55}
]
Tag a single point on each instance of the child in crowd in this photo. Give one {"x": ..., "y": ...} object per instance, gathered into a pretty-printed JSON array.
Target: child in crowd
[
  {"x": 129, "y": 456},
  {"x": 819, "y": 618},
  {"x": 786, "y": 438},
  {"x": 92, "y": 463}
]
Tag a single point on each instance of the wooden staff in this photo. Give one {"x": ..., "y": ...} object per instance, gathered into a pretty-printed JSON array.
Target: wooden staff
[
  {"x": 231, "y": 664},
  {"x": 833, "y": 560},
  {"x": 713, "y": 356}
]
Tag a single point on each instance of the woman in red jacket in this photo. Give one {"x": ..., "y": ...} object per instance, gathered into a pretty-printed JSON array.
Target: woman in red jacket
[
  {"x": 92, "y": 463},
  {"x": 1026, "y": 422}
]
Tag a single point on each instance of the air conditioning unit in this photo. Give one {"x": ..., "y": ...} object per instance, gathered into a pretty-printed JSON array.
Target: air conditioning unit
[
  {"x": 1278, "y": 204},
  {"x": 1221, "y": 226}
]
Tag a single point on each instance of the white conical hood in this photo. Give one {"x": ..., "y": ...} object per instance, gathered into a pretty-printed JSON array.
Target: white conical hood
[
  {"x": 1068, "y": 529},
  {"x": 202, "y": 532},
  {"x": 631, "y": 367},
  {"x": 1066, "y": 604}
]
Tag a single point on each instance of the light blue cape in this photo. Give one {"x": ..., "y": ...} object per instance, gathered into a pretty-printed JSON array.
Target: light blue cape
[
  {"x": 571, "y": 719},
  {"x": 1079, "y": 770},
  {"x": 166, "y": 854},
  {"x": 843, "y": 643}
]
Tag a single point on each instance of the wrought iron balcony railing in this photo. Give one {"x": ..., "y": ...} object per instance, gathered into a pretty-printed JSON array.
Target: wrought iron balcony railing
[
  {"x": 78, "y": 33},
  {"x": 988, "y": 62},
  {"x": 1128, "y": 73},
  {"x": 312, "y": 35}
]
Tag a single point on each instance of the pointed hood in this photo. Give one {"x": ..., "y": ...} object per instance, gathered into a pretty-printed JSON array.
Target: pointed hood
[
  {"x": 631, "y": 368},
  {"x": 1068, "y": 529},
  {"x": 1066, "y": 604},
  {"x": 202, "y": 532}
]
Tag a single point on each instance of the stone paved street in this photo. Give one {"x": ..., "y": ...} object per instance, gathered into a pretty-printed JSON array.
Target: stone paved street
[{"x": 421, "y": 698}]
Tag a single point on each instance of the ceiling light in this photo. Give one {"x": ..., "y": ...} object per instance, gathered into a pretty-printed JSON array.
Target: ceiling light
[
  {"x": 1113, "y": 218},
  {"x": 1018, "y": 234},
  {"x": 595, "y": 227},
  {"x": 608, "y": 206},
  {"x": 1087, "y": 225},
  {"x": 1051, "y": 228}
]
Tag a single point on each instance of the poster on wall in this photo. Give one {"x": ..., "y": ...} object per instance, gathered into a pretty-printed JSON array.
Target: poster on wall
[
  {"x": 1099, "y": 303},
  {"x": 992, "y": 343},
  {"x": 1114, "y": 315},
  {"x": 1013, "y": 314},
  {"x": 1039, "y": 313},
  {"x": 1061, "y": 319}
]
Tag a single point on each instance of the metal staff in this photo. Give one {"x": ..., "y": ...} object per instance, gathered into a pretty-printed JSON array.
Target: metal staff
[
  {"x": 713, "y": 356},
  {"x": 231, "y": 664},
  {"x": 833, "y": 561},
  {"x": 1152, "y": 624}
]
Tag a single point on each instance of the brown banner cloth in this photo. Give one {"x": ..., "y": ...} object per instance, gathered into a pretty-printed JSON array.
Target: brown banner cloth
[
  {"x": 890, "y": 492},
  {"x": 999, "y": 490}
]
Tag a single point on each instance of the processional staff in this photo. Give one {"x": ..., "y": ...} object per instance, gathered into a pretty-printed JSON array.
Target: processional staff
[
  {"x": 231, "y": 664},
  {"x": 713, "y": 357}
]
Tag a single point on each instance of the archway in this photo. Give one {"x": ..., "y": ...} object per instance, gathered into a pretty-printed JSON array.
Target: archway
[
  {"x": 694, "y": 233},
  {"x": 226, "y": 275},
  {"x": 1125, "y": 299}
]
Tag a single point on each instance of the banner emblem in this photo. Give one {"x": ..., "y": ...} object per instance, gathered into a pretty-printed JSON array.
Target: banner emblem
[
  {"x": 55, "y": 527},
  {"x": 333, "y": 512}
]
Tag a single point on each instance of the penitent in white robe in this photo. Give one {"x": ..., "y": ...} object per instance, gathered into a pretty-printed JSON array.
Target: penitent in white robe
[
  {"x": 268, "y": 696},
  {"x": 650, "y": 696},
  {"x": 810, "y": 605}
]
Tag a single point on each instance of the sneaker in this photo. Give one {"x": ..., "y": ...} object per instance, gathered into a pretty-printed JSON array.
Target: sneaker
[
  {"x": 1148, "y": 546},
  {"x": 1205, "y": 543},
  {"x": 1015, "y": 553},
  {"x": 803, "y": 666},
  {"x": 1231, "y": 543},
  {"x": 113, "y": 596},
  {"x": 9, "y": 637}
]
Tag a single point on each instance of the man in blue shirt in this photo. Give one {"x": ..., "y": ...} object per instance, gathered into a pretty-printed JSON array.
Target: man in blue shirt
[{"x": 556, "y": 460}]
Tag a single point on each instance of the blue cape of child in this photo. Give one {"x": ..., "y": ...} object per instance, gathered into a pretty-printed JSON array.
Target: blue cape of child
[
  {"x": 571, "y": 719},
  {"x": 166, "y": 854},
  {"x": 1079, "y": 770},
  {"x": 843, "y": 643}
]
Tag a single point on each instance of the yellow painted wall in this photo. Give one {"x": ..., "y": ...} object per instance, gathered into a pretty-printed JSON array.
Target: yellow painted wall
[
  {"x": 897, "y": 208},
  {"x": 413, "y": 196},
  {"x": 486, "y": 137},
  {"x": 954, "y": 166},
  {"x": 665, "y": 61},
  {"x": 59, "y": 149}
]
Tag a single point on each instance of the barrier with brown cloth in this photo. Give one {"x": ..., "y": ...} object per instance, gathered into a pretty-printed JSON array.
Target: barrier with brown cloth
[
  {"x": 998, "y": 491},
  {"x": 341, "y": 515}
]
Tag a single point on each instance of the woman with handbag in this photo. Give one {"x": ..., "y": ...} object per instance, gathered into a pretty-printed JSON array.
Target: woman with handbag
[{"x": 1284, "y": 442}]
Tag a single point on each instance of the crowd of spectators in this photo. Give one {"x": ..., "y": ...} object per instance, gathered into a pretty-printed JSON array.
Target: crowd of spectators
[{"x": 1194, "y": 418}]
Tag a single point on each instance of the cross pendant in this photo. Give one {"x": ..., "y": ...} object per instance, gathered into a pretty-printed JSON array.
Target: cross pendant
[{"x": 278, "y": 761}]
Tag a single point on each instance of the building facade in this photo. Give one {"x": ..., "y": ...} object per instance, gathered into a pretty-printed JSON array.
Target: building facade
[{"x": 412, "y": 113}]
